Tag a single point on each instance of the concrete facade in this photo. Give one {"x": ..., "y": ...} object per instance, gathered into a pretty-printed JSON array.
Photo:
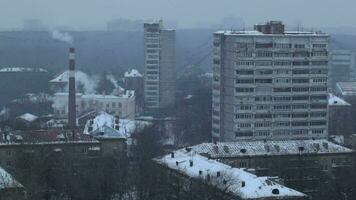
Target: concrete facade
[{"x": 269, "y": 86}]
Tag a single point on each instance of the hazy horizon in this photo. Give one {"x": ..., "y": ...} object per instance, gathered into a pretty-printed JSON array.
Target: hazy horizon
[{"x": 94, "y": 14}]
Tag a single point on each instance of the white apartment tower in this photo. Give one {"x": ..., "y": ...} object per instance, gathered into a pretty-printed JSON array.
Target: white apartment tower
[
  {"x": 159, "y": 83},
  {"x": 269, "y": 84}
]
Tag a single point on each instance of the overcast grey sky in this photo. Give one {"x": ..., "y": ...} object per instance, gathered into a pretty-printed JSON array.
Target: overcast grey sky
[{"x": 83, "y": 14}]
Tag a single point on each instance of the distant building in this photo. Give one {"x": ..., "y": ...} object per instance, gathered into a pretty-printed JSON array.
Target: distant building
[
  {"x": 189, "y": 175},
  {"x": 124, "y": 25},
  {"x": 123, "y": 106},
  {"x": 160, "y": 69},
  {"x": 269, "y": 84},
  {"x": 342, "y": 67},
  {"x": 340, "y": 118},
  {"x": 302, "y": 164},
  {"x": 34, "y": 25},
  {"x": 347, "y": 91},
  {"x": 60, "y": 82},
  {"x": 133, "y": 80},
  {"x": 28, "y": 80}
]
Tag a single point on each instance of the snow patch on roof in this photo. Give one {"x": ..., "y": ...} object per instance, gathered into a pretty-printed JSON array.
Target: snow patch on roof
[
  {"x": 7, "y": 181},
  {"x": 269, "y": 148},
  {"x": 337, "y": 101},
  {"x": 22, "y": 69},
  {"x": 238, "y": 182},
  {"x": 133, "y": 73},
  {"x": 28, "y": 117}
]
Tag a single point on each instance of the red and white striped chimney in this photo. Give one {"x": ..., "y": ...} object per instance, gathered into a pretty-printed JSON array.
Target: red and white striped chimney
[{"x": 72, "y": 118}]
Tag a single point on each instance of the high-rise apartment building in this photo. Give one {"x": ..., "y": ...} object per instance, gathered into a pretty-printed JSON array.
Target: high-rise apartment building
[
  {"x": 159, "y": 84},
  {"x": 269, "y": 84}
]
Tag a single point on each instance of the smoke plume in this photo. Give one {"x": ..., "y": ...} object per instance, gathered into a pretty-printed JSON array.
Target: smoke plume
[{"x": 64, "y": 37}]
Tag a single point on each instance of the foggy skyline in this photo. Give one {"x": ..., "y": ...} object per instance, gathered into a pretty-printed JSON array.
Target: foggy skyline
[{"x": 94, "y": 14}]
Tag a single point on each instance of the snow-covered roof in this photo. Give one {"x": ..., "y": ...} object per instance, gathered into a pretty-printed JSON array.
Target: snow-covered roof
[
  {"x": 269, "y": 148},
  {"x": 128, "y": 94},
  {"x": 254, "y": 33},
  {"x": 234, "y": 181},
  {"x": 337, "y": 101},
  {"x": 105, "y": 123},
  {"x": 347, "y": 88},
  {"x": 22, "y": 69},
  {"x": 7, "y": 181},
  {"x": 133, "y": 73},
  {"x": 28, "y": 117},
  {"x": 64, "y": 77}
]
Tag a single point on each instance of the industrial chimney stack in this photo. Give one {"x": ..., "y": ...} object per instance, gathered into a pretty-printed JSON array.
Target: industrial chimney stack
[{"x": 72, "y": 118}]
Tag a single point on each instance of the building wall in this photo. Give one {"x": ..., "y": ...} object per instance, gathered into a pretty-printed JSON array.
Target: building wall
[
  {"x": 269, "y": 86},
  {"x": 136, "y": 84},
  {"x": 340, "y": 121},
  {"x": 122, "y": 106},
  {"x": 304, "y": 173}
]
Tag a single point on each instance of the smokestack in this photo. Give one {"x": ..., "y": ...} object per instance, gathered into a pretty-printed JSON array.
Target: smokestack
[{"x": 72, "y": 118}]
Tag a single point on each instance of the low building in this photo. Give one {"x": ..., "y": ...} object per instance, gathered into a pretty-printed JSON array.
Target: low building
[
  {"x": 14, "y": 144},
  {"x": 347, "y": 91},
  {"x": 340, "y": 121},
  {"x": 300, "y": 163},
  {"x": 113, "y": 133},
  {"x": 10, "y": 188},
  {"x": 123, "y": 106},
  {"x": 191, "y": 175},
  {"x": 133, "y": 80}
]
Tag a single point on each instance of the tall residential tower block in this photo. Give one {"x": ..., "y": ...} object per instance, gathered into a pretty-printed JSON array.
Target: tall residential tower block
[
  {"x": 160, "y": 61},
  {"x": 269, "y": 83}
]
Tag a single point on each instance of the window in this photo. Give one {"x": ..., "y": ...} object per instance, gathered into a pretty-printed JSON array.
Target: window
[
  {"x": 301, "y": 106},
  {"x": 317, "y": 123},
  {"x": 300, "y": 115},
  {"x": 300, "y": 132},
  {"x": 281, "y": 115},
  {"x": 243, "y": 116},
  {"x": 282, "y": 54},
  {"x": 282, "y": 98},
  {"x": 264, "y": 54},
  {"x": 244, "y": 107},
  {"x": 262, "y": 107},
  {"x": 300, "y": 80},
  {"x": 242, "y": 164},
  {"x": 263, "y": 81},
  {"x": 243, "y": 125},
  {"x": 245, "y": 63},
  {"x": 316, "y": 63},
  {"x": 320, "y": 53},
  {"x": 300, "y": 63},
  {"x": 300, "y": 98},
  {"x": 318, "y": 89},
  {"x": 299, "y": 46},
  {"x": 300, "y": 71},
  {"x": 244, "y": 134},
  {"x": 244, "y": 81},
  {"x": 282, "y": 107},
  {"x": 318, "y": 131},
  {"x": 113, "y": 104},
  {"x": 301, "y": 89},
  {"x": 282, "y": 71},
  {"x": 287, "y": 89},
  {"x": 262, "y": 124},
  {"x": 318, "y": 106},
  {"x": 282, "y": 63},
  {"x": 282, "y": 80},
  {"x": 282, "y": 124},
  {"x": 263, "y": 98},
  {"x": 264, "y": 45},
  {"x": 318, "y": 114},
  {"x": 318, "y": 71},
  {"x": 302, "y": 123},
  {"x": 244, "y": 72},
  {"x": 263, "y": 63},
  {"x": 244, "y": 90},
  {"x": 282, "y": 45},
  {"x": 319, "y": 46},
  {"x": 263, "y": 116},
  {"x": 264, "y": 72}
]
